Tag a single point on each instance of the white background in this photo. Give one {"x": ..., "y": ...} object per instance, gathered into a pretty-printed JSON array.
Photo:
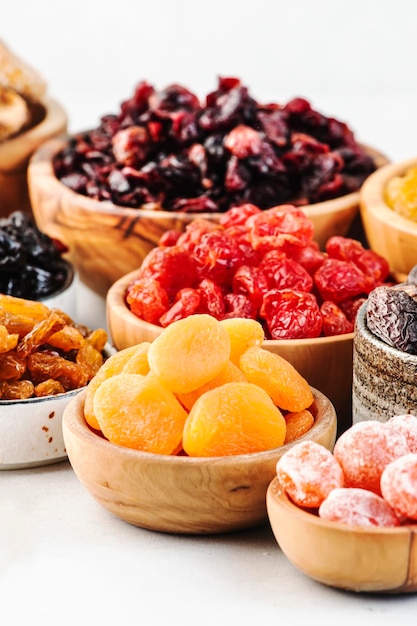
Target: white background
[{"x": 355, "y": 60}]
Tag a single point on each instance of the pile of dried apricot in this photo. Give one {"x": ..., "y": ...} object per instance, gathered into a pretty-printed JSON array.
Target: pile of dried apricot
[
  {"x": 203, "y": 387},
  {"x": 370, "y": 479},
  {"x": 43, "y": 352},
  {"x": 401, "y": 194}
]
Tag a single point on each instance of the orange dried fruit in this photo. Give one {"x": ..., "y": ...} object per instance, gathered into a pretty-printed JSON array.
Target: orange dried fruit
[
  {"x": 66, "y": 339},
  {"x": 229, "y": 374},
  {"x": 8, "y": 341},
  {"x": 150, "y": 418},
  {"x": 278, "y": 377},
  {"x": 236, "y": 418},
  {"x": 138, "y": 362},
  {"x": 298, "y": 424},
  {"x": 244, "y": 333},
  {"x": 111, "y": 367},
  {"x": 189, "y": 352}
]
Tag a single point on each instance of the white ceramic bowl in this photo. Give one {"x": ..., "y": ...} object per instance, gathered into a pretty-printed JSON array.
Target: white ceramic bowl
[{"x": 31, "y": 430}]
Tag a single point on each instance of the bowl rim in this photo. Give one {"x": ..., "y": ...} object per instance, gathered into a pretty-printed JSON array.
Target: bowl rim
[
  {"x": 116, "y": 301},
  {"x": 76, "y": 423},
  {"x": 278, "y": 495},
  {"x": 16, "y": 150},
  {"x": 371, "y": 196},
  {"x": 40, "y": 165}
]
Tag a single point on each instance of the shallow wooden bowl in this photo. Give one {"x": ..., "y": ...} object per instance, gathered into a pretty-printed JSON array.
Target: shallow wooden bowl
[
  {"x": 388, "y": 233},
  {"x": 180, "y": 494},
  {"x": 375, "y": 560},
  {"x": 325, "y": 362},
  {"x": 107, "y": 241},
  {"x": 50, "y": 120}
]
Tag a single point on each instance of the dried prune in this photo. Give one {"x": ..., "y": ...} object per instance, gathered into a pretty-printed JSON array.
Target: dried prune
[
  {"x": 169, "y": 150},
  {"x": 391, "y": 315}
]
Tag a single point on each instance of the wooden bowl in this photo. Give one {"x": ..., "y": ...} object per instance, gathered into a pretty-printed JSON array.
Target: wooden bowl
[
  {"x": 325, "y": 362},
  {"x": 375, "y": 560},
  {"x": 180, "y": 494},
  {"x": 388, "y": 233},
  {"x": 50, "y": 120},
  {"x": 107, "y": 241}
]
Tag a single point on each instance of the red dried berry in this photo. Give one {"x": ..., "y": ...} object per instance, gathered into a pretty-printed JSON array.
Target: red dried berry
[
  {"x": 147, "y": 299},
  {"x": 335, "y": 321},
  {"x": 291, "y": 314},
  {"x": 340, "y": 280}
]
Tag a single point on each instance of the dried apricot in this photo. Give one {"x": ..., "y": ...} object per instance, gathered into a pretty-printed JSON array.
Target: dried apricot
[
  {"x": 298, "y": 424},
  {"x": 229, "y": 374},
  {"x": 308, "y": 472},
  {"x": 111, "y": 367},
  {"x": 138, "y": 362},
  {"x": 399, "y": 485},
  {"x": 189, "y": 352},
  {"x": 244, "y": 333},
  {"x": 287, "y": 388},
  {"x": 236, "y": 418},
  {"x": 150, "y": 418},
  {"x": 365, "y": 449},
  {"x": 357, "y": 507}
]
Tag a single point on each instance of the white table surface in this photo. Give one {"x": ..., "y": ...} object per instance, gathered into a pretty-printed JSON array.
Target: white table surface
[{"x": 63, "y": 558}]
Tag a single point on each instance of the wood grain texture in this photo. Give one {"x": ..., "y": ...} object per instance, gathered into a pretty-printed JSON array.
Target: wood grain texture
[
  {"x": 179, "y": 494},
  {"x": 391, "y": 235},
  {"x": 107, "y": 241},
  {"x": 326, "y": 362},
  {"x": 16, "y": 152},
  {"x": 357, "y": 559}
]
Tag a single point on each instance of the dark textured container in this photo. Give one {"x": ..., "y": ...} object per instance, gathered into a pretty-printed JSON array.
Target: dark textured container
[{"x": 384, "y": 379}]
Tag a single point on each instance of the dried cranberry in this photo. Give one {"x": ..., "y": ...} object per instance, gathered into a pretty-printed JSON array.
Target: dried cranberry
[
  {"x": 147, "y": 299},
  {"x": 186, "y": 303},
  {"x": 340, "y": 280},
  {"x": 335, "y": 321}
]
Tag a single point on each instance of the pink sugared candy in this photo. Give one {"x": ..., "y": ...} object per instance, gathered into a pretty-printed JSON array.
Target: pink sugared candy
[
  {"x": 357, "y": 507},
  {"x": 365, "y": 449},
  {"x": 308, "y": 472},
  {"x": 407, "y": 425},
  {"x": 399, "y": 486}
]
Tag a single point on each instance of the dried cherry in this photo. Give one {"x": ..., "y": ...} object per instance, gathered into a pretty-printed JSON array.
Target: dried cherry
[{"x": 168, "y": 150}]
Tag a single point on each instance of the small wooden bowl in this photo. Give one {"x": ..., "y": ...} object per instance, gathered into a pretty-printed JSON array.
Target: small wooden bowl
[
  {"x": 180, "y": 494},
  {"x": 325, "y": 362},
  {"x": 375, "y": 560},
  {"x": 50, "y": 120},
  {"x": 391, "y": 235},
  {"x": 107, "y": 241}
]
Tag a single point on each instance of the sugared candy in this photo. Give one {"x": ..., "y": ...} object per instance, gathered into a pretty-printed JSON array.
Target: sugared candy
[
  {"x": 309, "y": 472},
  {"x": 399, "y": 486},
  {"x": 365, "y": 449},
  {"x": 357, "y": 507},
  {"x": 407, "y": 425}
]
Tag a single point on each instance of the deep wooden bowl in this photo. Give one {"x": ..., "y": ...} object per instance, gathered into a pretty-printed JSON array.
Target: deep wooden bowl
[
  {"x": 50, "y": 120},
  {"x": 107, "y": 241},
  {"x": 180, "y": 494},
  {"x": 388, "y": 233},
  {"x": 376, "y": 560},
  {"x": 325, "y": 362}
]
